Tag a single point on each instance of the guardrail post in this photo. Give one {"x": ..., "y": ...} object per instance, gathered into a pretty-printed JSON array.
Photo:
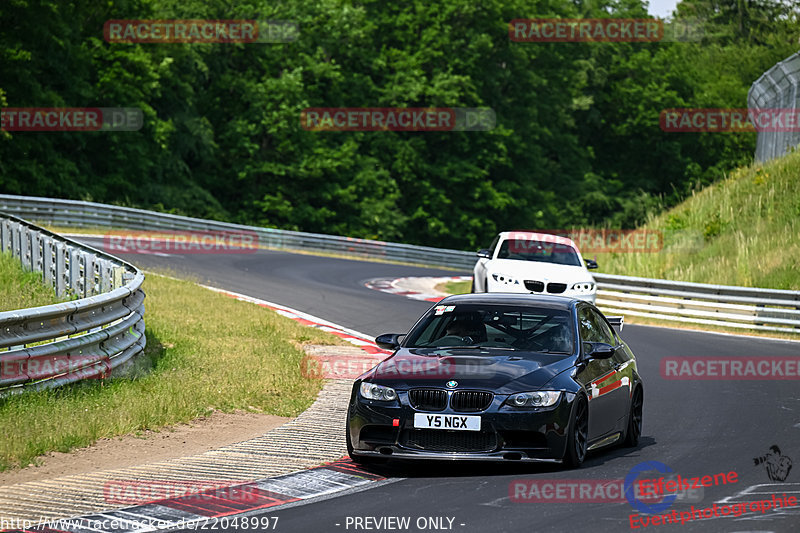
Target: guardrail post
[
  {"x": 47, "y": 263},
  {"x": 15, "y": 241},
  {"x": 106, "y": 275},
  {"x": 36, "y": 253},
  {"x": 61, "y": 269},
  {"x": 88, "y": 276},
  {"x": 119, "y": 277},
  {"x": 5, "y": 236},
  {"x": 74, "y": 276},
  {"x": 25, "y": 248}
]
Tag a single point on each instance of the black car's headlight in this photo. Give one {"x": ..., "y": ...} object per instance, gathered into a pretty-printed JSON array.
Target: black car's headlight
[
  {"x": 371, "y": 391},
  {"x": 544, "y": 398}
]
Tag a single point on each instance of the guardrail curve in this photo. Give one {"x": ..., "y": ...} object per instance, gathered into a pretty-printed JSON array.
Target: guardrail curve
[
  {"x": 676, "y": 301},
  {"x": 91, "y": 336}
]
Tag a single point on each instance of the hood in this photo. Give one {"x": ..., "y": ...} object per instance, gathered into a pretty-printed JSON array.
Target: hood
[
  {"x": 538, "y": 271},
  {"x": 502, "y": 371}
]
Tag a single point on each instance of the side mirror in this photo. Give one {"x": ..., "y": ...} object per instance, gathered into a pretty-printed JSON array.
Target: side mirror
[
  {"x": 485, "y": 253},
  {"x": 591, "y": 264},
  {"x": 389, "y": 341},
  {"x": 599, "y": 350}
]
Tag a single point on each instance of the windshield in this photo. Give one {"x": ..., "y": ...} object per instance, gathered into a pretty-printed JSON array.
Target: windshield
[
  {"x": 541, "y": 251},
  {"x": 496, "y": 326}
]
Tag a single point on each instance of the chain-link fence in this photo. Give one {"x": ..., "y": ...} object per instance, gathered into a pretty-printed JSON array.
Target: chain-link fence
[{"x": 776, "y": 89}]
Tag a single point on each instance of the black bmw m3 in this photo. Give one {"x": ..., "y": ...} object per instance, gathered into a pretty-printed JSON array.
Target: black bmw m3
[{"x": 505, "y": 377}]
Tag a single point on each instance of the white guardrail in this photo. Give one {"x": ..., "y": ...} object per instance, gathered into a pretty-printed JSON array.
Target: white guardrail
[
  {"x": 93, "y": 334},
  {"x": 734, "y": 307}
]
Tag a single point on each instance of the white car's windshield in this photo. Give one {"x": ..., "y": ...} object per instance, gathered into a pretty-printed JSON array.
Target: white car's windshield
[{"x": 541, "y": 251}]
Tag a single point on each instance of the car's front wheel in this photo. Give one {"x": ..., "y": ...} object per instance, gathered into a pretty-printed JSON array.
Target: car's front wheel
[
  {"x": 578, "y": 437},
  {"x": 634, "y": 430}
]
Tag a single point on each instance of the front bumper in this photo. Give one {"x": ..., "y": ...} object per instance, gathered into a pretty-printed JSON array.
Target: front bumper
[
  {"x": 507, "y": 433},
  {"x": 518, "y": 286}
]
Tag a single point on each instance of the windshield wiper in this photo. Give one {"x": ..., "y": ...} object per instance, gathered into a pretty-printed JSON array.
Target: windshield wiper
[
  {"x": 499, "y": 348},
  {"x": 468, "y": 347}
]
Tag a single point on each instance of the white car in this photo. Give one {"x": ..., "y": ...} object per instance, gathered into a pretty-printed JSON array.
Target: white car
[{"x": 538, "y": 263}]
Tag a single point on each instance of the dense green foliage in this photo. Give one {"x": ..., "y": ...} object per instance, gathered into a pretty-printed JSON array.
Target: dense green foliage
[{"x": 577, "y": 138}]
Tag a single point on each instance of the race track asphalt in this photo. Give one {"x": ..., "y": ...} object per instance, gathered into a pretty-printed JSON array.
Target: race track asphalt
[{"x": 695, "y": 427}]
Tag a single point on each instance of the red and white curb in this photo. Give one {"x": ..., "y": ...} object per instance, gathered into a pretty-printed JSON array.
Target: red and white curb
[
  {"x": 217, "y": 508},
  {"x": 418, "y": 288}
]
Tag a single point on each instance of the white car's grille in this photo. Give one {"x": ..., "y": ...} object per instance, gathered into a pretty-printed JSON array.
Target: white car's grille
[{"x": 538, "y": 286}]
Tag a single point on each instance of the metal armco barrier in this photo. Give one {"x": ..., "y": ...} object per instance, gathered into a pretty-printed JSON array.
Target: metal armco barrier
[
  {"x": 88, "y": 337},
  {"x": 735, "y": 307},
  {"x": 776, "y": 89},
  {"x": 699, "y": 303},
  {"x": 88, "y": 214}
]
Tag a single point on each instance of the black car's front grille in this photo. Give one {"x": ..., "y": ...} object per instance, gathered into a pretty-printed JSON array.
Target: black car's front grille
[
  {"x": 428, "y": 399},
  {"x": 438, "y": 440},
  {"x": 556, "y": 288},
  {"x": 466, "y": 401},
  {"x": 536, "y": 286}
]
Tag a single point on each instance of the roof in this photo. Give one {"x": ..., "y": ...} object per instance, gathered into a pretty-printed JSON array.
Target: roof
[
  {"x": 535, "y": 300},
  {"x": 545, "y": 237}
]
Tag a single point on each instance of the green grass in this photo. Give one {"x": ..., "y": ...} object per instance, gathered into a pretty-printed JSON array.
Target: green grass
[
  {"x": 206, "y": 351},
  {"x": 742, "y": 231},
  {"x": 455, "y": 287},
  {"x": 19, "y": 288}
]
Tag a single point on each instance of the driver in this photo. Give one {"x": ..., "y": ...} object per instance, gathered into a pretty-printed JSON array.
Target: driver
[
  {"x": 466, "y": 327},
  {"x": 459, "y": 328}
]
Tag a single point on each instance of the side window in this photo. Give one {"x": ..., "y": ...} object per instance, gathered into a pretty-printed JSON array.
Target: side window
[
  {"x": 604, "y": 330},
  {"x": 593, "y": 328},
  {"x": 586, "y": 327}
]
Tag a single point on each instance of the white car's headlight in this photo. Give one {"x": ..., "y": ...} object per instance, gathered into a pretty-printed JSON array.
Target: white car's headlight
[
  {"x": 544, "y": 398},
  {"x": 502, "y": 278},
  {"x": 584, "y": 287},
  {"x": 371, "y": 391}
]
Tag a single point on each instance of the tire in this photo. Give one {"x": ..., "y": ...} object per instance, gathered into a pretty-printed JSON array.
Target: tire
[
  {"x": 634, "y": 430},
  {"x": 472, "y": 287},
  {"x": 577, "y": 441}
]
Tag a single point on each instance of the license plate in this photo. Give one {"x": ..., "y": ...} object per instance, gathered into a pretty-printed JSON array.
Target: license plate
[{"x": 463, "y": 423}]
